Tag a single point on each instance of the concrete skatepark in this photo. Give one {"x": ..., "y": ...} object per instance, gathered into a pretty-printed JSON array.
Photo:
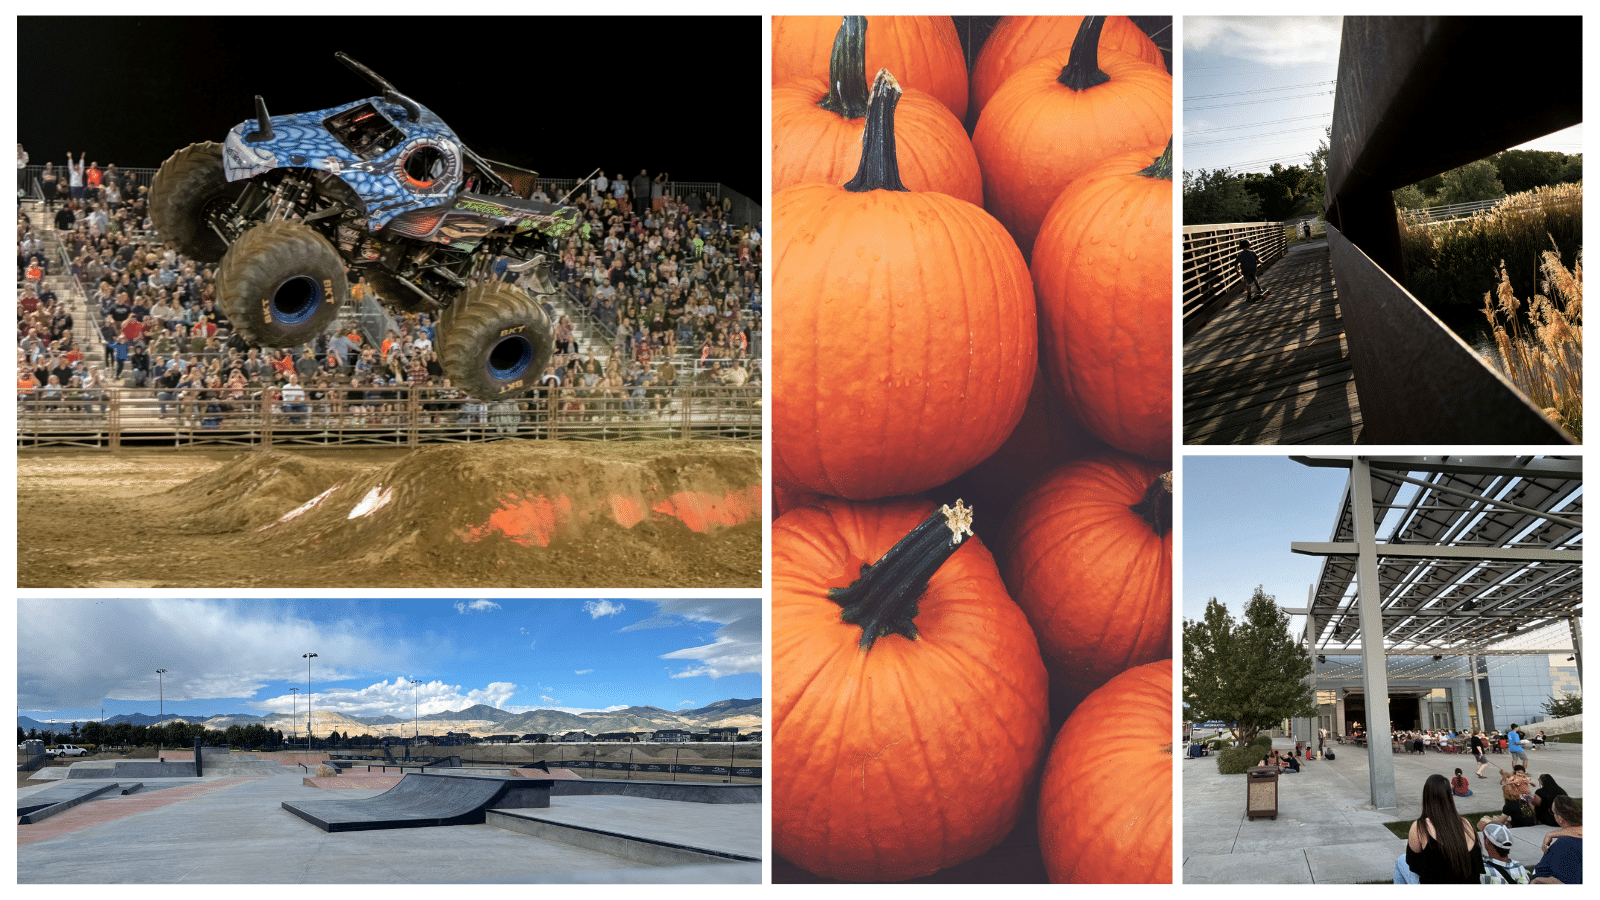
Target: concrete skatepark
[
  {"x": 252, "y": 821},
  {"x": 1326, "y": 831}
]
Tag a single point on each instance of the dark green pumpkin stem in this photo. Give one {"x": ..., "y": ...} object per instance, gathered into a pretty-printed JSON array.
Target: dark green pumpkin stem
[
  {"x": 847, "y": 70},
  {"x": 1156, "y": 506},
  {"x": 1082, "y": 70},
  {"x": 883, "y": 600},
  {"x": 880, "y": 165},
  {"x": 1162, "y": 167}
]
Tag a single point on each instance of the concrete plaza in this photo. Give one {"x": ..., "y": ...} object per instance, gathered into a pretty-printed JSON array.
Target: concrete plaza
[
  {"x": 1326, "y": 832},
  {"x": 232, "y": 829}
]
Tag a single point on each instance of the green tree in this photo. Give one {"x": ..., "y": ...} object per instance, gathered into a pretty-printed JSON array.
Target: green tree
[
  {"x": 1410, "y": 197},
  {"x": 1471, "y": 182},
  {"x": 1217, "y": 196},
  {"x": 1251, "y": 672},
  {"x": 1565, "y": 705}
]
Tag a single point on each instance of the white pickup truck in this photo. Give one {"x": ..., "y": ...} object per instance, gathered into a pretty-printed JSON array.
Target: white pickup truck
[{"x": 67, "y": 750}]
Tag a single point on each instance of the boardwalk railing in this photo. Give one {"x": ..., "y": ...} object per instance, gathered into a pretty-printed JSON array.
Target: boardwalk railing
[
  {"x": 1209, "y": 272},
  {"x": 1414, "y": 100},
  {"x": 405, "y": 417}
]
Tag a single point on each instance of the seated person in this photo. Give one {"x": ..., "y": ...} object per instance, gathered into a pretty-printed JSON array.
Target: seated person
[
  {"x": 1289, "y": 763},
  {"x": 1544, "y": 800},
  {"x": 1459, "y": 785},
  {"x": 1498, "y": 866},
  {"x": 1563, "y": 856}
]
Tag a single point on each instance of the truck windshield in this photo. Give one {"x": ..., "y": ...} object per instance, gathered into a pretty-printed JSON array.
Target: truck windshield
[{"x": 364, "y": 130}]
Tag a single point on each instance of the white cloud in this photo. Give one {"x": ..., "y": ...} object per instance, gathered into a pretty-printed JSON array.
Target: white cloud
[
  {"x": 736, "y": 649},
  {"x": 476, "y": 606},
  {"x": 393, "y": 699},
  {"x": 581, "y": 671},
  {"x": 74, "y": 653},
  {"x": 1277, "y": 41},
  {"x": 685, "y": 702},
  {"x": 598, "y": 608}
]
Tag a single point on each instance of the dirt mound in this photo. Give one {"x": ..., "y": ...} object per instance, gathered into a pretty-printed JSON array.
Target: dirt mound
[{"x": 254, "y": 490}]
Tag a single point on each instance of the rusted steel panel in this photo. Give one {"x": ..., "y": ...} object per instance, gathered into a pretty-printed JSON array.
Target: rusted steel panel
[
  {"x": 1419, "y": 95},
  {"x": 1418, "y": 383}
]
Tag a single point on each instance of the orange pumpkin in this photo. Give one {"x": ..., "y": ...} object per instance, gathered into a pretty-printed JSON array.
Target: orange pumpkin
[
  {"x": 1089, "y": 559},
  {"x": 888, "y": 678},
  {"x": 1102, "y": 270},
  {"x": 1095, "y": 829},
  {"x": 817, "y": 124},
  {"x": 906, "y": 341},
  {"x": 1056, "y": 118},
  {"x": 1019, "y": 40},
  {"x": 923, "y": 52}
]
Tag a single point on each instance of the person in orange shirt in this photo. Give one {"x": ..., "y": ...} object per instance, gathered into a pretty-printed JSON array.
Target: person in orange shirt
[{"x": 27, "y": 385}]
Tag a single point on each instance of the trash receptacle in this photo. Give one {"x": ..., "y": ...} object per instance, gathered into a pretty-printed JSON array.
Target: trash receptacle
[{"x": 1261, "y": 792}]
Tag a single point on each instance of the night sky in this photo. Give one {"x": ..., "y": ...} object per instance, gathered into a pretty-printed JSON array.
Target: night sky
[{"x": 556, "y": 95}]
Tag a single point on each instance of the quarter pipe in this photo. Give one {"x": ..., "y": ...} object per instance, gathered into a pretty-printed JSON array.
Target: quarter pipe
[{"x": 423, "y": 800}]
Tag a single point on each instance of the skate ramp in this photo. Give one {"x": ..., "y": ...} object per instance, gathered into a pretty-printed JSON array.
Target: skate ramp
[
  {"x": 135, "y": 768},
  {"x": 59, "y": 798},
  {"x": 682, "y": 791},
  {"x": 424, "y": 800}
]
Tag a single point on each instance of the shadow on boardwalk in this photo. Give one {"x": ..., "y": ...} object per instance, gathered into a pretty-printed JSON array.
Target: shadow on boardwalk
[{"x": 1275, "y": 371}]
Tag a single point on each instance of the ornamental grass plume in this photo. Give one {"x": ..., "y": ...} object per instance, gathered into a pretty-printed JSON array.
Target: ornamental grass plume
[{"x": 1541, "y": 351}]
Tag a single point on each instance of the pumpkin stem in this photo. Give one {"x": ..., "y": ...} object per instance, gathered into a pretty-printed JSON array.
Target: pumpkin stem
[
  {"x": 883, "y": 600},
  {"x": 1156, "y": 505},
  {"x": 880, "y": 165},
  {"x": 847, "y": 70},
  {"x": 1162, "y": 167},
  {"x": 1082, "y": 70}
]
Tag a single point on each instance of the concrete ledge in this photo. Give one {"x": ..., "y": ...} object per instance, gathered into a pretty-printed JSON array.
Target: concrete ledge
[
  {"x": 684, "y": 791},
  {"x": 631, "y": 847},
  {"x": 135, "y": 768},
  {"x": 42, "y": 806}
]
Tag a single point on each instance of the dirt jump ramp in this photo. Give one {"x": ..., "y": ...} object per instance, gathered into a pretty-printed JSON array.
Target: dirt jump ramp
[
  {"x": 500, "y": 507},
  {"x": 423, "y": 800}
]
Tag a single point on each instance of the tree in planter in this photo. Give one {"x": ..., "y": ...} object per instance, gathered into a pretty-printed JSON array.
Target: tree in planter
[
  {"x": 1251, "y": 672},
  {"x": 1565, "y": 705}
]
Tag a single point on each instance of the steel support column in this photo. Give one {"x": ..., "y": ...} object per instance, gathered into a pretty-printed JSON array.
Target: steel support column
[
  {"x": 1477, "y": 693},
  {"x": 1575, "y": 624},
  {"x": 1374, "y": 663}
]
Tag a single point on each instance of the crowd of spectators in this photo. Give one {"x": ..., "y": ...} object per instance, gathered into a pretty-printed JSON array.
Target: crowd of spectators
[{"x": 672, "y": 290}]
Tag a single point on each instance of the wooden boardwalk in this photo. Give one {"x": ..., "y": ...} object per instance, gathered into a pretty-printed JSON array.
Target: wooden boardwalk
[{"x": 1274, "y": 371}]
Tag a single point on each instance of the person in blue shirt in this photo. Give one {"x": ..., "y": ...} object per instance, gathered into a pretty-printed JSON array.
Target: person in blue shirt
[
  {"x": 1563, "y": 855},
  {"x": 1514, "y": 746}
]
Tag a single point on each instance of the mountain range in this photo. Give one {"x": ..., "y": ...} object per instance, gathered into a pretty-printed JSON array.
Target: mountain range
[{"x": 476, "y": 720}]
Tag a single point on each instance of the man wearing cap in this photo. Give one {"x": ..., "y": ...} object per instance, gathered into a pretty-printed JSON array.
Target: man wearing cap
[{"x": 1498, "y": 866}]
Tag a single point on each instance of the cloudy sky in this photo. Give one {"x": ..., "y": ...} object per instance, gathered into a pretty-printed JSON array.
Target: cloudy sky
[
  {"x": 243, "y": 656},
  {"x": 1259, "y": 90}
]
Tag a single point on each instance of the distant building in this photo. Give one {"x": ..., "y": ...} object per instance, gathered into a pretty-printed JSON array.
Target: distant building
[
  {"x": 540, "y": 738},
  {"x": 577, "y": 737},
  {"x": 618, "y": 736},
  {"x": 724, "y": 734},
  {"x": 752, "y": 736},
  {"x": 670, "y": 736},
  {"x": 502, "y": 739}
]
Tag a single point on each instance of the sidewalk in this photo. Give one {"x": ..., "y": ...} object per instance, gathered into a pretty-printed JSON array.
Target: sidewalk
[{"x": 1325, "y": 832}]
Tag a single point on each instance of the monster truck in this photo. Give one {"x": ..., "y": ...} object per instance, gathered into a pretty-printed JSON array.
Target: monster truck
[{"x": 295, "y": 206}]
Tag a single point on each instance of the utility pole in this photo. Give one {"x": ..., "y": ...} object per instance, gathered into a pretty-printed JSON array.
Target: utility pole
[
  {"x": 308, "y": 657},
  {"x": 294, "y": 714},
  {"x": 414, "y": 690},
  {"x": 161, "y": 710}
]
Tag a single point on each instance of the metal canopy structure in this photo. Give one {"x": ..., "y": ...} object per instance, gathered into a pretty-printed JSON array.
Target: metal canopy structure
[
  {"x": 1470, "y": 551},
  {"x": 1444, "y": 556}
]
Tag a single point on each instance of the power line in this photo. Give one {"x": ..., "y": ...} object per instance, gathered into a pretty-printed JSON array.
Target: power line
[
  {"x": 1254, "y": 102},
  {"x": 1261, "y": 90},
  {"x": 1254, "y": 124},
  {"x": 1248, "y": 137}
]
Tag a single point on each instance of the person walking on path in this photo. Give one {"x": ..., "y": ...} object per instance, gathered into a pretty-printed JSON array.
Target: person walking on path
[
  {"x": 1478, "y": 742},
  {"x": 1248, "y": 262}
]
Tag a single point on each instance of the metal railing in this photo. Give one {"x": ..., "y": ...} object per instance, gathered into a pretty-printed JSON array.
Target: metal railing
[
  {"x": 1209, "y": 270},
  {"x": 402, "y": 417},
  {"x": 1410, "y": 105}
]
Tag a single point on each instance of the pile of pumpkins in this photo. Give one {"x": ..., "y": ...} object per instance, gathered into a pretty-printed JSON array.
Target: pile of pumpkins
[{"x": 972, "y": 435}]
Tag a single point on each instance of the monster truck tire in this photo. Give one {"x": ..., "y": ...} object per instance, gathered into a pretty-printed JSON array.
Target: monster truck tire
[
  {"x": 281, "y": 284},
  {"x": 186, "y": 185},
  {"x": 393, "y": 293},
  {"x": 495, "y": 341}
]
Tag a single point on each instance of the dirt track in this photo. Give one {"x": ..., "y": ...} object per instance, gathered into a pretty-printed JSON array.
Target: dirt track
[{"x": 503, "y": 514}]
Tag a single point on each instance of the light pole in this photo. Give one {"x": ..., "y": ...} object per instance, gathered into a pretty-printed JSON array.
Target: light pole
[
  {"x": 414, "y": 690},
  {"x": 294, "y": 715},
  {"x": 161, "y": 710},
  {"x": 308, "y": 657}
]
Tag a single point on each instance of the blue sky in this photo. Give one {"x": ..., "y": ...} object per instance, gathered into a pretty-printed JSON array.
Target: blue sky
[
  {"x": 1259, "y": 90},
  {"x": 1240, "y": 513},
  {"x": 243, "y": 656}
]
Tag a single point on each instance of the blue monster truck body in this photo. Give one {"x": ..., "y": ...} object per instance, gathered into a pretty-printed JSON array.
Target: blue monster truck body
[{"x": 295, "y": 206}]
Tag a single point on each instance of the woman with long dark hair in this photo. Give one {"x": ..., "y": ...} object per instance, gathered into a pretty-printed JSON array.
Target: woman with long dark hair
[
  {"x": 1442, "y": 847},
  {"x": 1547, "y": 793}
]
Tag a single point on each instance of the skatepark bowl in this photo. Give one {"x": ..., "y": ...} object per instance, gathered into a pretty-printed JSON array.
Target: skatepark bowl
[{"x": 250, "y": 821}]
